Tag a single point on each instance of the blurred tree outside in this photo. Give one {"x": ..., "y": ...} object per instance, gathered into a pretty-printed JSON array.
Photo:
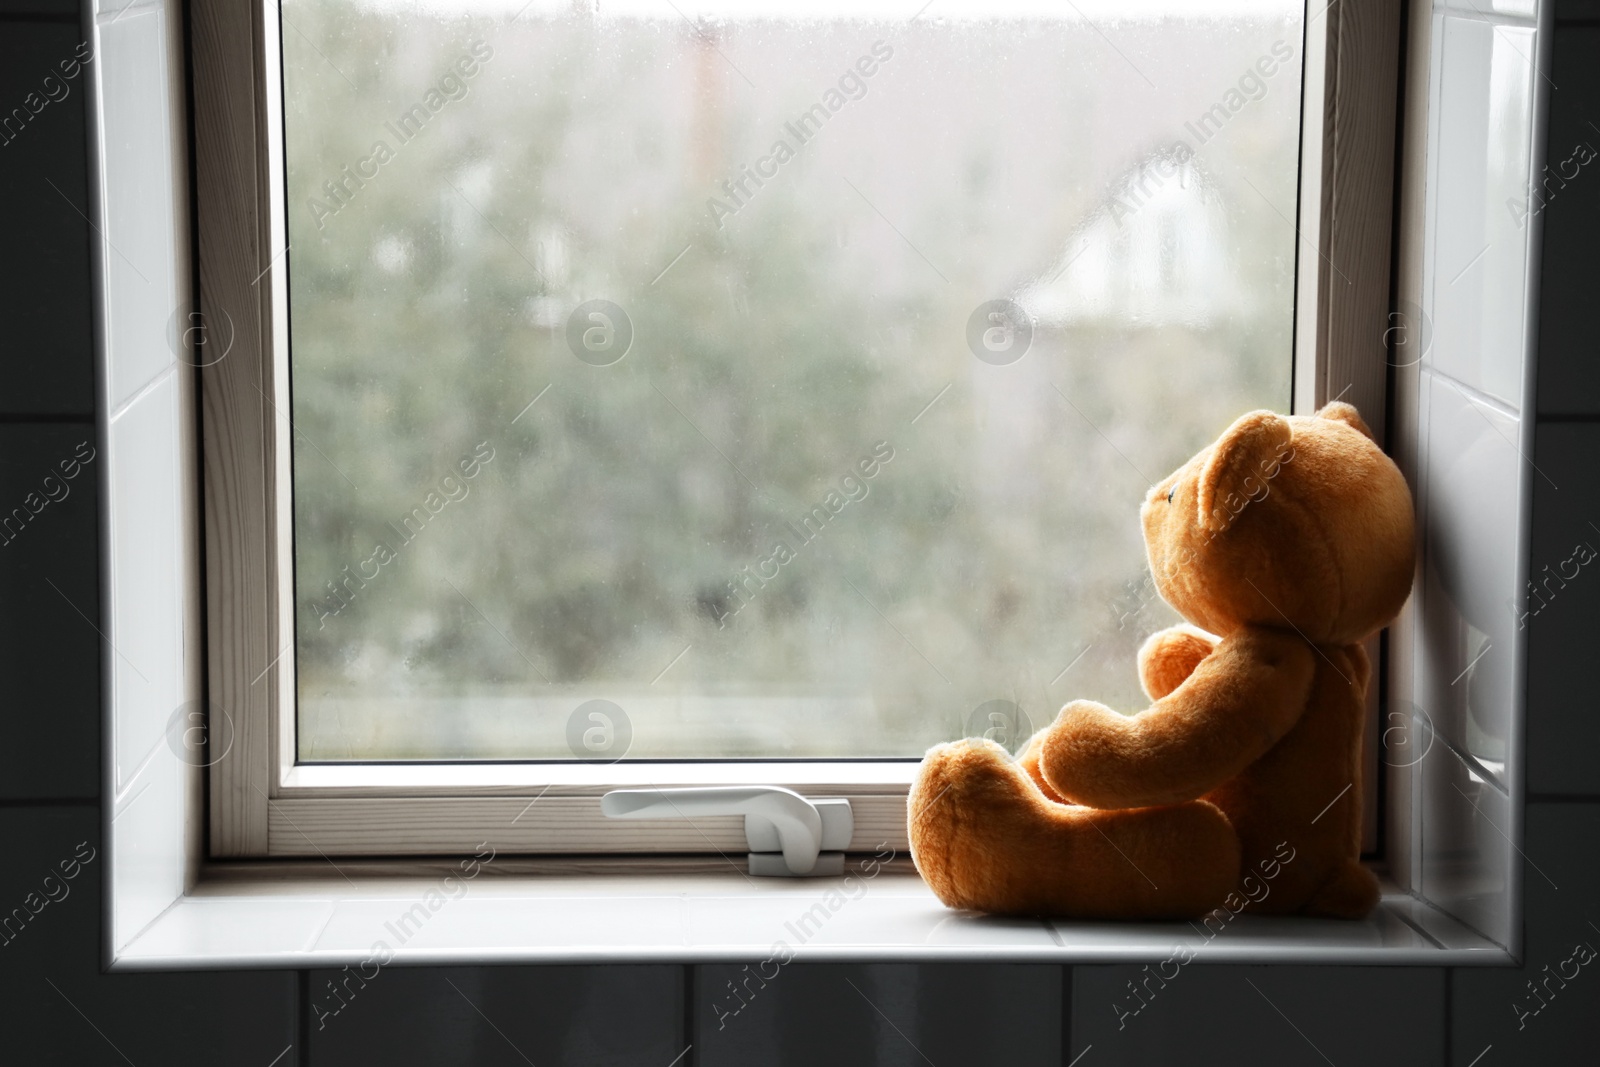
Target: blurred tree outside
[{"x": 597, "y": 554}]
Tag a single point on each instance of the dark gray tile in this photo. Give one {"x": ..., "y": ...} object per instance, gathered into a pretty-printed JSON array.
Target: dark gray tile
[
  {"x": 1569, "y": 375},
  {"x": 489, "y": 1016},
  {"x": 882, "y": 1014},
  {"x": 1563, "y": 610},
  {"x": 49, "y": 586},
  {"x": 1285, "y": 1016},
  {"x": 57, "y": 9},
  {"x": 1578, "y": 9},
  {"x": 60, "y": 1008},
  {"x": 1496, "y": 1007},
  {"x": 47, "y": 361}
]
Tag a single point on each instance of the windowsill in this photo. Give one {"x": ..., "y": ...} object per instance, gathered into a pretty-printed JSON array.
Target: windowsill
[{"x": 323, "y": 922}]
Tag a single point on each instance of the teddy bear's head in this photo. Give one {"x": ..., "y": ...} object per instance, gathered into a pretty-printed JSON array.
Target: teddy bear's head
[{"x": 1292, "y": 522}]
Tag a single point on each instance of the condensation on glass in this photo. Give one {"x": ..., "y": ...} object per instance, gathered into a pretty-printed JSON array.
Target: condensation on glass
[{"x": 760, "y": 379}]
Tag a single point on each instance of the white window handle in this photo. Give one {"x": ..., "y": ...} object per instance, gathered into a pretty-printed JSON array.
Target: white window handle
[{"x": 812, "y": 834}]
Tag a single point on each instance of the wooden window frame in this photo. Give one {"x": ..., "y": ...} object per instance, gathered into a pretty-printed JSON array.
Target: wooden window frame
[{"x": 1346, "y": 210}]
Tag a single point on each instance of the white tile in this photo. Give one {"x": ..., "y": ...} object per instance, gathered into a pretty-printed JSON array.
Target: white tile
[
  {"x": 1467, "y": 830},
  {"x": 431, "y": 927},
  {"x": 1432, "y": 924},
  {"x": 107, "y": 11},
  {"x": 147, "y": 625},
  {"x": 1480, "y": 165},
  {"x": 1524, "y": 10},
  {"x": 148, "y": 676},
  {"x": 147, "y": 847},
  {"x": 152, "y": 794},
  {"x": 263, "y": 931},
  {"x": 139, "y": 211},
  {"x": 831, "y": 915},
  {"x": 1256, "y": 938},
  {"x": 1468, "y": 643}
]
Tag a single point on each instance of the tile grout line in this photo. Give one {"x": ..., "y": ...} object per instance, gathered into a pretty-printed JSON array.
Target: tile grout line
[
  {"x": 1066, "y": 1010},
  {"x": 688, "y": 1015},
  {"x": 302, "y": 1018}
]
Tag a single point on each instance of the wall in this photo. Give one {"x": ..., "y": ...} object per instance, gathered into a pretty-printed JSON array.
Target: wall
[{"x": 59, "y": 1008}]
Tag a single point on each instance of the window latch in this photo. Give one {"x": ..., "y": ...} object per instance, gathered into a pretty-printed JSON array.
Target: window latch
[{"x": 787, "y": 834}]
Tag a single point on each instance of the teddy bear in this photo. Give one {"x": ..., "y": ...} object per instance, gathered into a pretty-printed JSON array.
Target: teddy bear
[{"x": 1285, "y": 543}]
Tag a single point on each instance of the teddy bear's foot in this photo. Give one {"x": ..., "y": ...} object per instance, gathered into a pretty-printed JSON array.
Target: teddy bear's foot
[
  {"x": 985, "y": 838},
  {"x": 1351, "y": 893}
]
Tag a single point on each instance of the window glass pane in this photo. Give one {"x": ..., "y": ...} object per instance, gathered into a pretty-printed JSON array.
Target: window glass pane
[{"x": 783, "y": 376}]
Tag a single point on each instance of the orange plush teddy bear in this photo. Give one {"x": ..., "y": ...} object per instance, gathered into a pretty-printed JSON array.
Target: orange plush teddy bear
[{"x": 1290, "y": 540}]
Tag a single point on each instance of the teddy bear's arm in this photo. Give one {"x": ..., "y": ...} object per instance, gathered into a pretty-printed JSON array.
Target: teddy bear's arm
[
  {"x": 1169, "y": 656},
  {"x": 1236, "y": 705}
]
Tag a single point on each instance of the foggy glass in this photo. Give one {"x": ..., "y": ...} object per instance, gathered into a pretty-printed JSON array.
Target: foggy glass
[{"x": 760, "y": 379}]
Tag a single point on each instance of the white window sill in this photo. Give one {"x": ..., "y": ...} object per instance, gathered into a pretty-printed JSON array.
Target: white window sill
[{"x": 323, "y": 923}]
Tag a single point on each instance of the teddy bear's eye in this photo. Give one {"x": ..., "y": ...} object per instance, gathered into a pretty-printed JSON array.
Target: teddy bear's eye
[{"x": 1174, "y": 489}]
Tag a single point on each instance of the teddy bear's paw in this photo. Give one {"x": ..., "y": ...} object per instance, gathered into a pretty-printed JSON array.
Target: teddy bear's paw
[
  {"x": 1169, "y": 656},
  {"x": 1028, "y": 760},
  {"x": 1081, "y": 754}
]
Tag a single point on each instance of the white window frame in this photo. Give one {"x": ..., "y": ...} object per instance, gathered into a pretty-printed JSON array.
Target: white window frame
[{"x": 175, "y": 831}]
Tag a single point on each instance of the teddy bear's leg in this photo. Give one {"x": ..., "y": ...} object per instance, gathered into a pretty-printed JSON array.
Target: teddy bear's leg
[
  {"x": 984, "y": 837},
  {"x": 1350, "y": 893}
]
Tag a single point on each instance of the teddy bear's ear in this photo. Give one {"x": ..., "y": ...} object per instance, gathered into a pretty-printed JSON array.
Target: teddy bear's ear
[
  {"x": 1339, "y": 411},
  {"x": 1241, "y": 463}
]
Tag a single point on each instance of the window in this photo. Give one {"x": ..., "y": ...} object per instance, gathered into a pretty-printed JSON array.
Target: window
[
  {"x": 743, "y": 392},
  {"x": 173, "y": 899}
]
